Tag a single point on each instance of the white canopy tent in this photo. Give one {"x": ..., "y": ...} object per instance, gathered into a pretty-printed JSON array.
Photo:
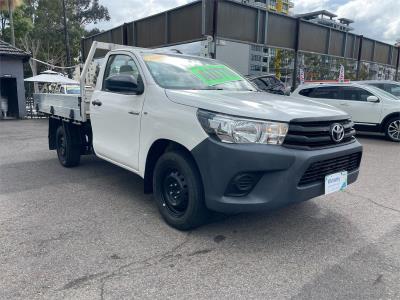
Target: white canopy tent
[{"x": 51, "y": 77}]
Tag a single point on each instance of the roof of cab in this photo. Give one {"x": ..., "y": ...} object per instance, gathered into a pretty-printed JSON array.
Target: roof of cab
[{"x": 160, "y": 51}]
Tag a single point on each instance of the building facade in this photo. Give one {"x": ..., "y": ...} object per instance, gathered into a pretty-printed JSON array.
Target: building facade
[
  {"x": 12, "y": 89},
  {"x": 326, "y": 18},
  {"x": 279, "y": 6}
]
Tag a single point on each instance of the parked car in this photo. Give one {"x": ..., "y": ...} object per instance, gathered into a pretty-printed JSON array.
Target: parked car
[
  {"x": 202, "y": 137},
  {"x": 70, "y": 89},
  {"x": 392, "y": 87},
  {"x": 269, "y": 83},
  {"x": 371, "y": 108}
]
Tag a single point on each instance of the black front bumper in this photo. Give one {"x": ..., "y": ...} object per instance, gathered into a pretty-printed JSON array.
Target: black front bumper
[{"x": 280, "y": 170}]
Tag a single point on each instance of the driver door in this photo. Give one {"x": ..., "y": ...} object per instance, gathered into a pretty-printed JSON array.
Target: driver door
[{"x": 116, "y": 116}]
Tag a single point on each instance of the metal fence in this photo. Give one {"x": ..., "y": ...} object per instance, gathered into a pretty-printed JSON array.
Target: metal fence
[
  {"x": 230, "y": 20},
  {"x": 180, "y": 25},
  {"x": 31, "y": 110}
]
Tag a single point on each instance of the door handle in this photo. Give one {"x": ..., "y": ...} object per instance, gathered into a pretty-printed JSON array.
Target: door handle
[
  {"x": 344, "y": 104},
  {"x": 96, "y": 102},
  {"x": 135, "y": 113}
]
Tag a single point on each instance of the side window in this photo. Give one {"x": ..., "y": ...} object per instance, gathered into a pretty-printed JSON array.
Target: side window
[
  {"x": 394, "y": 89},
  {"x": 274, "y": 81},
  {"x": 268, "y": 81},
  {"x": 379, "y": 86},
  {"x": 355, "y": 94},
  {"x": 326, "y": 92},
  {"x": 306, "y": 92},
  {"x": 260, "y": 83},
  {"x": 120, "y": 65}
]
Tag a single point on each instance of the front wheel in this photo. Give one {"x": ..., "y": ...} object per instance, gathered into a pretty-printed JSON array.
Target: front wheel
[
  {"x": 68, "y": 154},
  {"x": 178, "y": 191},
  {"x": 392, "y": 129}
]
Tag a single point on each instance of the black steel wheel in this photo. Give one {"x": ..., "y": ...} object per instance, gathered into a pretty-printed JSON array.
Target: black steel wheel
[
  {"x": 178, "y": 190},
  {"x": 175, "y": 192},
  {"x": 68, "y": 153}
]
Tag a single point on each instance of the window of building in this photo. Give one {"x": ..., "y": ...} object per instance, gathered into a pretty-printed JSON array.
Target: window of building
[
  {"x": 256, "y": 57},
  {"x": 256, "y": 48}
]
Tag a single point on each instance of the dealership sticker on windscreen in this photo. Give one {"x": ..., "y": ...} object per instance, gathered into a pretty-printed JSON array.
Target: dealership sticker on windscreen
[
  {"x": 214, "y": 74},
  {"x": 335, "y": 182}
]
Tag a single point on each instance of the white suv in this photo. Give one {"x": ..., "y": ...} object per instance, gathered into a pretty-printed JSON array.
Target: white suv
[{"x": 371, "y": 108}]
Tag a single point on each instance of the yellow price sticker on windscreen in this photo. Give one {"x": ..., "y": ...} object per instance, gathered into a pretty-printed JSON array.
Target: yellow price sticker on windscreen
[{"x": 154, "y": 57}]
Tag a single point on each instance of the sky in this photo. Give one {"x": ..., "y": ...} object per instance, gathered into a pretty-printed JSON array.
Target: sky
[{"x": 377, "y": 19}]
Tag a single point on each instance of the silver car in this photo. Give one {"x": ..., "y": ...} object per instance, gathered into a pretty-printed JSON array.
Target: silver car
[{"x": 390, "y": 86}]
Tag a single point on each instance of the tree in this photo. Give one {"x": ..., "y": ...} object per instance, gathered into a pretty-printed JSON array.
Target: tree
[
  {"x": 34, "y": 46},
  {"x": 39, "y": 27},
  {"x": 364, "y": 71},
  {"x": 9, "y": 6},
  {"x": 22, "y": 24},
  {"x": 92, "y": 32}
]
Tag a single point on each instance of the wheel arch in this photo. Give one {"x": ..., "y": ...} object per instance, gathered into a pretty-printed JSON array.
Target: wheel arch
[
  {"x": 158, "y": 148},
  {"x": 387, "y": 118}
]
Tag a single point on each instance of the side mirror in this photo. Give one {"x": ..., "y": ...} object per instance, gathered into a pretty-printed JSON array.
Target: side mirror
[
  {"x": 373, "y": 99},
  {"x": 124, "y": 83}
]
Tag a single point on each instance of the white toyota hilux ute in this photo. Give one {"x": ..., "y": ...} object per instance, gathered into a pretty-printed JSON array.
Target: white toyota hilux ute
[{"x": 202, "y": 137}]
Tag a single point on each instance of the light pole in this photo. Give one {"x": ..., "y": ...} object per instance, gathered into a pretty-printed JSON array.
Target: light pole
[
  {"x": 66, "y": 36},
  {"x": 396, "y": 75}
]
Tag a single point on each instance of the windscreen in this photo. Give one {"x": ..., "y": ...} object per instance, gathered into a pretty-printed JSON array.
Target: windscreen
[
  {"x": 72, "y": 89},
  {"x": 391, "y": 88},
  {"x": 383, "y": 93},
  {"x": 192, "y": 73}
]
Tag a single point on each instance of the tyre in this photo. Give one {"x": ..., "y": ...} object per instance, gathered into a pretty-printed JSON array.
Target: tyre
[
  {"x": 178, "y": 191},
  {"x": 392, "y": 129},
  {"x": 68, "y": 154}
]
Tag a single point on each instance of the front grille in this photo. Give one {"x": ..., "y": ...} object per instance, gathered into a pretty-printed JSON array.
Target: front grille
[
  {"x": 317, "y": 134},
  {"x": 318, "y": 170}
]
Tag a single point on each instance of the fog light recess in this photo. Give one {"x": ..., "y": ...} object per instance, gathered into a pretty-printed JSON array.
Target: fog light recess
[{"x": 242, "y": 184}]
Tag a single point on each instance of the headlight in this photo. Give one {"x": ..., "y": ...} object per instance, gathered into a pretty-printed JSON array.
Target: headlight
[{"x": 231, "y": 129}]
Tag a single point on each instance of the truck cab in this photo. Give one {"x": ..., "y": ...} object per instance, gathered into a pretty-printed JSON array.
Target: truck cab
[{"x": 204, "y": 139}]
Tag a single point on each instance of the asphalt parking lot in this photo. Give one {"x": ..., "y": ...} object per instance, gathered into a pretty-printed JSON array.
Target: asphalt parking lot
[{"x": 91, "y": 233}]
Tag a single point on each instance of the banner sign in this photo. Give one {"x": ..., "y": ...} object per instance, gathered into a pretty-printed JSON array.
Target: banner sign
[
  {"x": 302, "y": 76},
  {"x": 341, "y": 74}
]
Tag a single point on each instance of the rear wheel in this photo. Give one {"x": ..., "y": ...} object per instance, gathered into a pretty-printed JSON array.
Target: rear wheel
[
  {"x": 178, "y": 191},
  {"x": 392, "y": 129},
  {"x": 68, "y": 153}
]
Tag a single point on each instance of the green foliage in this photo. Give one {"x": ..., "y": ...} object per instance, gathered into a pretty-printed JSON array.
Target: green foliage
[
  {"x": 364, "y": 72},
  {"x": 40, "y": 22},
  {"x": 323, "y": 67},
  {"x": 22, "y": 23}
]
